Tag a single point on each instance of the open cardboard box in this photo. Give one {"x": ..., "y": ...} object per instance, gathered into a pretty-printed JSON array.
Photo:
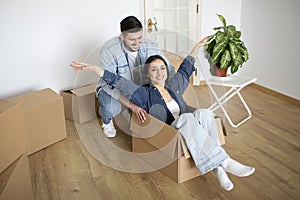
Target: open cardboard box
[
  {"x": 44, "y": 118},
  {"x": 13, "y": 141},
  {"x": 80, "y": 103},
  {"x": 168, "y": 140}
]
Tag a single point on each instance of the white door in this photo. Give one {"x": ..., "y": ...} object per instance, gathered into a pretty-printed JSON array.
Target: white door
[{"x": 174, "y": 26}]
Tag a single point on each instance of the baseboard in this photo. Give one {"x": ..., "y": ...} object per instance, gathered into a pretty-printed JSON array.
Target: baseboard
[{"x": 276, "y": 94}]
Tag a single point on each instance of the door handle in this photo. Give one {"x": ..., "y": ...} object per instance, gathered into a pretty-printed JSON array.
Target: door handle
[{"x": 151, "y": 23}]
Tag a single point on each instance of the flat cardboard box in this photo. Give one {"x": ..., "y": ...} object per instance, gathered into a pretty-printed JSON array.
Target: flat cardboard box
[
  {"x": 44, "y": 118},
  {"x": 13, "y": 141},
  {"x": 15, "y": 182},
  {"x": 80, "y": 103},
  {"x": 182, "y": 167}
]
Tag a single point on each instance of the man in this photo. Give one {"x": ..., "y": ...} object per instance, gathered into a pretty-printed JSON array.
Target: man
[{"x": 123, "y": 55}]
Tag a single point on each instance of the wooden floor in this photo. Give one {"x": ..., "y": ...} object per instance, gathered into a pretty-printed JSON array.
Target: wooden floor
[{"x": 269, "y": 141}]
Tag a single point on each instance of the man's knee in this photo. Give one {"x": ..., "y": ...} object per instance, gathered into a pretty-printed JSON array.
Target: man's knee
[{"x": 109, "y": 107}]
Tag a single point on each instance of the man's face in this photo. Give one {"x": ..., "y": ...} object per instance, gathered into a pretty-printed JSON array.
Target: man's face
[{"x": 132, "y": 41}]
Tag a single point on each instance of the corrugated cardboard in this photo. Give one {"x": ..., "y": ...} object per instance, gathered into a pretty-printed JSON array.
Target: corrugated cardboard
[
  {"x": 80, "y": 103},
  {"x": 44, "y": 118},
  {"x": 183, "y": 168},
  {"x": 15, "y": 181},
  {"x": 13, "y": 141}
]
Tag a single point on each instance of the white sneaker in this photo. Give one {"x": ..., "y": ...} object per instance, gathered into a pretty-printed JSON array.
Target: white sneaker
[{"x": 109, "y": 129}]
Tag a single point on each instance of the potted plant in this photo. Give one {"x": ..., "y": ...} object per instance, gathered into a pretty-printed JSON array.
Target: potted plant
[{"x": 226, "y": 49}]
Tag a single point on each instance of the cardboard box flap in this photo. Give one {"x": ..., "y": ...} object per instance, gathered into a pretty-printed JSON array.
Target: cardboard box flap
[
  {"x": 4, "y": 176},
  {"x": 35, "y": 99},
  {"x": 184, "y": 149},
  {"x": 12, "y": 134},
  {"x": 84, "y": 90},
  {"x": 6, "y": 105},
  {"x": 157, "y": 133}
]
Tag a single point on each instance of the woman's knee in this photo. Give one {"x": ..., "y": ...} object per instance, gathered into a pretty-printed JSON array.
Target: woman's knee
[
  {"x": 204, "y": 116},
  {"x": 184, "y": 119},
  {"x": 204, "y": 113}
]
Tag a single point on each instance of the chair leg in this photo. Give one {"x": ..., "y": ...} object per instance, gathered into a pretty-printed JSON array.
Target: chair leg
[{"x": 226, "y": 97}]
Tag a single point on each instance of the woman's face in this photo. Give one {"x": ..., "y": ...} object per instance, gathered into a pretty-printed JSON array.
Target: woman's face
[{"x": 157, "y": 72}]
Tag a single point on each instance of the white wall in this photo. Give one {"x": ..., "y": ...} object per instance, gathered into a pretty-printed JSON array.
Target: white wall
[
  {"x": 38, "y": 40},
  {"x": 271, "y": 31},
  {"x": 230, "y": 9}
]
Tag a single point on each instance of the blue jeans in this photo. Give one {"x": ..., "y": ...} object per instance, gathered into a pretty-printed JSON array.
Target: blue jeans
[
  {"x": 109, "y": 107},
  {"x": 201, "y": 136}
]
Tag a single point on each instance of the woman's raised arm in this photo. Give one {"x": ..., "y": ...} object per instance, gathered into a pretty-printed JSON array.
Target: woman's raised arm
[{"x": 195, "y": 50}]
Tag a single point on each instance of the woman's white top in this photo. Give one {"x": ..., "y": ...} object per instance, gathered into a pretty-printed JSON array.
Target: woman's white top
[{"x": 173, "y": 108}]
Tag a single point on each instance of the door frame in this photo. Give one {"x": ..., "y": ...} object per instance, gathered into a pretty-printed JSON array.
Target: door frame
[{"x": 196, "y": 32}]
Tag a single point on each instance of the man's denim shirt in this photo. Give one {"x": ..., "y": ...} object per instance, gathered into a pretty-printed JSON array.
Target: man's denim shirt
[
  {"x": 149, "y": 98},
  {"x": 114, "y": 58}
]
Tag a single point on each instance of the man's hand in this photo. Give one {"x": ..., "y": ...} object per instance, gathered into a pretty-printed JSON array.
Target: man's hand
[{"x": 87, "y": 67}]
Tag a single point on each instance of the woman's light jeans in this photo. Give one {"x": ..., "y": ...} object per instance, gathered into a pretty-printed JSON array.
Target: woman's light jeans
[{"x": 201, "y": 136}]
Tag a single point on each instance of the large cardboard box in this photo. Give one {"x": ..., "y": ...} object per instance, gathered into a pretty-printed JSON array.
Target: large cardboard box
[
  {"x": 80, "y": 103},
  {"x": 15, "y": 183},
  {"x": 156, "y": 136},
  {"x": 44, "y": 118},
  {"x": 13, "y": 141}
]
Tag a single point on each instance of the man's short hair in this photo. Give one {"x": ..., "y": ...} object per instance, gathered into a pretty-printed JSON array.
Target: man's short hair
[{"x": 130, "y": 24}]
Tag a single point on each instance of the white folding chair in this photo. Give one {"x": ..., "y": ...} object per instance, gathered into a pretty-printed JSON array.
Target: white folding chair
[{"x": 236, "y": 84}]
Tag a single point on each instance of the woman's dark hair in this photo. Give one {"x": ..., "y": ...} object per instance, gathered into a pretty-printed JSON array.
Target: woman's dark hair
[
  {"x": 153, "y": 58},
  {"x": 130, "y": 24}
]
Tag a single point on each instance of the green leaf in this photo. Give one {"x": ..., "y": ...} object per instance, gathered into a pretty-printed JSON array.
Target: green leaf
[
  {"x": 222, "y": 19},
  {"x": 218, "y": 28},
  {"x": 218, "y": 50},
  {"x": 210, "y": 46},
  {"x": 231, "y": 30},
  {"x": 236, "y": 55},
  {"x": 238, "y": 61},
  {"x": 220, "y": 36},
  {"x": 234, "y": 69},
  {"x": 225, "y": 59},
  {"x": 233, "y": 50},
  {"x": 210, "y": 37},
  {"x": 238, "y": 34},
  {"x": 245, "y": 54},
  {"x": 243, "y": 50}
]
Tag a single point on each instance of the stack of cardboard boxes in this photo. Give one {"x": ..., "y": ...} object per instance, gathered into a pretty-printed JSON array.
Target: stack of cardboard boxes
[{"x": 29, "y": 123}]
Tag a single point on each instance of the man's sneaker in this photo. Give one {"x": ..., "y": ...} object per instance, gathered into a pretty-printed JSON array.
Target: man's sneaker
[{"x": 109, "y": 129}]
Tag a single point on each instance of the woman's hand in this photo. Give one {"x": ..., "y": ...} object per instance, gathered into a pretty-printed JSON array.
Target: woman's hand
[
  {"x": 203, "y": 42},
  {"x": 195, "y": 50},
  {"x": 139, "y": 112},
  {"x": 87, "y": 67}
]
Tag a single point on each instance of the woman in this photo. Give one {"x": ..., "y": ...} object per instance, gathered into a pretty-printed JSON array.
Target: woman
[{"x": 163, "y": 99}]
